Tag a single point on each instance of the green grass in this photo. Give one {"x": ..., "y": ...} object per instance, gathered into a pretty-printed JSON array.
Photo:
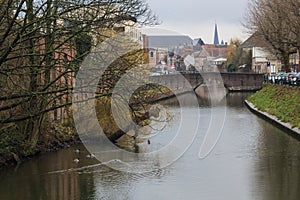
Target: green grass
[{"x": 281, "y": 101}]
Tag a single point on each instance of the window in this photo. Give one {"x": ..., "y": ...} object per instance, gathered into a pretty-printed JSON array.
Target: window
[{"x": 151, "y": 54}]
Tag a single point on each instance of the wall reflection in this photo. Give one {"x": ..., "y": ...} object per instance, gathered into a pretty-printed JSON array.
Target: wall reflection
[
  {"x": 277, "y": 174},
  {"x": 32, "y": 180},
  {"x": 236, "y": 100},
  {"x": 263, "y": 161}
]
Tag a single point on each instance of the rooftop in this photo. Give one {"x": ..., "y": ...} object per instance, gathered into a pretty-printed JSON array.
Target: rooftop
[
  {"x": 255, "y": 40},
  {"x": 169, "y": 41}
]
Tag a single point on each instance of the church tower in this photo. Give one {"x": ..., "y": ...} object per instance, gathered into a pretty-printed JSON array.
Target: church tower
[{"x": 216, "y": 36}]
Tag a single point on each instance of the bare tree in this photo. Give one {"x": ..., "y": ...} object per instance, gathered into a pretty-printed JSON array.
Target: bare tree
[
  {"x": 42, "y": 44},
  {"x": 277, "y": 22},
  {"x": 293, "y": 16}
]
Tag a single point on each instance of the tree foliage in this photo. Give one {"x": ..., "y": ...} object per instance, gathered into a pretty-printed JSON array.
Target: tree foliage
[{"x": 236, "y": 56}]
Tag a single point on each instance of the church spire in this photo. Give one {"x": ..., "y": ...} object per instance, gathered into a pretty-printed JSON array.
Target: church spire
[{"x": 216, "y": 36}]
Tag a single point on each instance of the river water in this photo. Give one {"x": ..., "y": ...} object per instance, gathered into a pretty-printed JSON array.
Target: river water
[{"x": 252, "y": 160}]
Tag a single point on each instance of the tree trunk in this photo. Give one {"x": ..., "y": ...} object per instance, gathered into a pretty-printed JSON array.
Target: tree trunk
[
  {"x": 36, "y": 104},
  {"x": 299, "y": 60},
  {"x": 285, "y": 60},
  {"x": 36, "y": 131}
]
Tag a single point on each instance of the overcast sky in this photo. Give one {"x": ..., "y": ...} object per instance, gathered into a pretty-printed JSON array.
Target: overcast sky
[{"x": 196, "y": 18}]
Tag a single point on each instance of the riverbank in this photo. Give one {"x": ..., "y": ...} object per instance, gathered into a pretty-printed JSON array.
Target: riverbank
[
  {"x": 279, "y": 105},
  {"x": 14, "y": 146}
]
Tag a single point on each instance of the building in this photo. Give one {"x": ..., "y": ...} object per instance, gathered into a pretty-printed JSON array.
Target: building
[
  {"x": 197, "y": 44},
  {"x": 168, "y": 42},
  {"x": 126, "y": 25},
  {"x": 161, "y": 48},
  {"x": 216, "y": 36},
  {"x": 262, "y": 60},
  {"x": 172, "y": 50},
  {"x": 215, "y": 51}
]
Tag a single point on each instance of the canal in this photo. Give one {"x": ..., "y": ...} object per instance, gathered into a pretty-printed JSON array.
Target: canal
[{"x": 252, "y": 160}]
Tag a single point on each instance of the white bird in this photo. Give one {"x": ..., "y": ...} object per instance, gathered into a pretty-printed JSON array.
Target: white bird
[
  {"x": 93, "y": 155},
  {"x": 90, "y": 155}
]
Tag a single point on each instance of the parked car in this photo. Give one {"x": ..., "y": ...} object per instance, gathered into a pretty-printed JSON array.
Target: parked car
[
  {"x": 297, "y": 79},
  {"x": 290, "y": 78},
  {"x": 278, "y": 77},
  {"x": 283, "y": 79},
  {"x": 272, "y": 78}
]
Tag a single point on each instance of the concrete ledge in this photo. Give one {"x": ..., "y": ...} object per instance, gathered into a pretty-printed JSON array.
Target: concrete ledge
[
  {"x": 286, "y": 127},
  {"x": 243, "y": 89}
]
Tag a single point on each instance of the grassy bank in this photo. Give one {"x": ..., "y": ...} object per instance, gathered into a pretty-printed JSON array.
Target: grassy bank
[{"x": 280, "y": 101}]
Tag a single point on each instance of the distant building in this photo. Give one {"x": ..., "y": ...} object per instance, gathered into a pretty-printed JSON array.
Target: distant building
[
  {"x": 201, "y": 59},
  {"x": 169, "y": 41},
  {"x": 216, "y": 36},
  {"x": 181, "y": 46},
  {"x": 262, "y": 60},
  {"x": 265, "y": 62},
  {"x": 216, "y": 51},
  {"x": 197, "y": 44},
  {"x": 161, "y": 48}
]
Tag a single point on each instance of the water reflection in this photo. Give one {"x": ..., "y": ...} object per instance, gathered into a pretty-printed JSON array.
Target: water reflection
[
  {"x": 277, "y": 174},
  {"x": 252, "y": 160},
  {"x": 236, "y": 100},
  {"x": 32, "y": 181}
]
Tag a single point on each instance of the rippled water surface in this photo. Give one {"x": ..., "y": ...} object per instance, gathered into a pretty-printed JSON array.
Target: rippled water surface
[{"x": 252, "y": 160}]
